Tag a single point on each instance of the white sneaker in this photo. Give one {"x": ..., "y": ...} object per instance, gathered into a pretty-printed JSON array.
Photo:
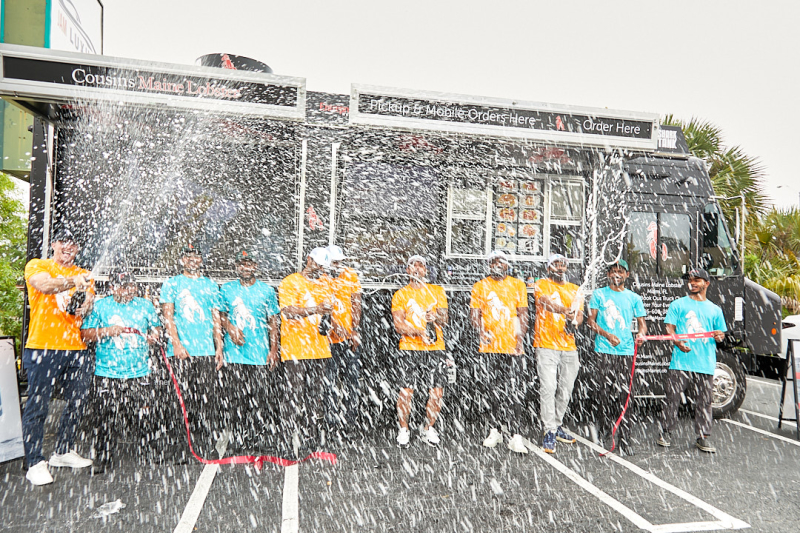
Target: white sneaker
[
  {"x": 516, "y": 444},
  {"x": 403, "y": 437},
  {"x": 70, "y": 459},
  {"x": 38, "y": 474},
  {"x": 494, "y": 438},
  {"x": 431, "y": 436}
]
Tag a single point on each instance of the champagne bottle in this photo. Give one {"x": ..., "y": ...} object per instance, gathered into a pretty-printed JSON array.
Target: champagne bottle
[
  {"x": 324, "y": 325},
  {"x": 431, "y": 333},
  {"x": 78, "y": 297}
]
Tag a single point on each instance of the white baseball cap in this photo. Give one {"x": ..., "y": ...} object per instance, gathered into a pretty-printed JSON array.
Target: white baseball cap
[
  {"x": 417, "y": 259},
  {"x": 554, "y": 258},
  {"x": 320, "y": 257},
  {"x": 335, "y": 253},
  {"x": 498, "y": 254}
]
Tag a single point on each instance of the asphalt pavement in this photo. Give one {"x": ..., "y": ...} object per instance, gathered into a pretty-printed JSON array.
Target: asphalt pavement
[{"x": 751, "y": 482}]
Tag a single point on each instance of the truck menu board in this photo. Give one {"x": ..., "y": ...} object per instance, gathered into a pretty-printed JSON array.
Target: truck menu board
[{"x": 519, "y": 216}]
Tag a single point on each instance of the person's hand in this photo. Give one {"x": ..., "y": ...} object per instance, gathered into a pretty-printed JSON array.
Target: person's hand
[
  {"x": 355, "y": 340},
  {"x": 519, "y": 349},
  {"x": 220, "y": 359},
  {"x": 236, "y": 335},
  {"x": 179, "y": 351},
  {"x": 719, "y": 336},
  {"x": 80, "y": 281},
  {"x": 641, "y": 339},
  {"x": 683, "y": 347},
  {"x": 570, "y": 314},
  {"x": 613, "y": 340},
  {"x": 113, "y": 331},
  {"x": 152, "y": 338},
  {"x": 430, "y": 316},
  {"x": 486, "y": 336},
  {"x": 273, "y": 359},
  {"x": 325, "y": 308},
  {"x": 338, "y": 330}
]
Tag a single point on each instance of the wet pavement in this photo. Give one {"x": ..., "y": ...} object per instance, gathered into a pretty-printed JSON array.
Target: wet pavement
[{"x": 460, "y": 486}]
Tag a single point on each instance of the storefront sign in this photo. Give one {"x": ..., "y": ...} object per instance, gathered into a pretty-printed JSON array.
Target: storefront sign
[
  {"x": 75, "y": 26},
  {"x": 408, "y": 109},
  {"x": 63, "y": 76}
]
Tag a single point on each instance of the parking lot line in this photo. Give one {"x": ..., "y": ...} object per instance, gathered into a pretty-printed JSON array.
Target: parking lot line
[
  {"x": 763, "y": 432},
  {"x": 290, "y": 509},
  {"x": 197, "y": 499},
  {"x": 751, "y": 379},
  {"x": 762, "y": 415}
]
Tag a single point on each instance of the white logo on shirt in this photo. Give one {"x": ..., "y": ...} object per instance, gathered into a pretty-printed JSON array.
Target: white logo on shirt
[
  {"x": 242, "y": 316},
  {"x": 613, "y": 314},
  {"x": 497, "y": 308},
  {"x": 556, "y": 298},
  {"x": 190, "y": 308},
  {"x": 309, "y": 301},
  {"x": 416, "y": 314},
  {"x": 693, "y": 324},
  {"x": 120, "y": 341}
]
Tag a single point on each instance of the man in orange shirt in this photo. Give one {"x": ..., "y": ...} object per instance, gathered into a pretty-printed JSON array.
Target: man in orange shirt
[
  {"x": 54, "y": 351},
  {"x": 306, "y": 303},
  {"x": 558, "y": 305},
  {"x": 419, "y": 313},
  {"x": 345, "y": 361},
  {"x": 499, "y": 313}
]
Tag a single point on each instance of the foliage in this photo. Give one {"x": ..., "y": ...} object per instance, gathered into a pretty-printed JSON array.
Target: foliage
[
  {"x": 772, "y": 261},
  {"x": 13, "y": 224}
]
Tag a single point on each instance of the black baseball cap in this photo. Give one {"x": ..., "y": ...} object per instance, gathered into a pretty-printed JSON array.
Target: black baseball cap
[
  {"x": 243, "y": 256},
  {"x": 65, "y": 235},
  {"x": 697, "y": 273},
  {"x": 121, "y": 277},
  {"x": 191, "y": 249}
]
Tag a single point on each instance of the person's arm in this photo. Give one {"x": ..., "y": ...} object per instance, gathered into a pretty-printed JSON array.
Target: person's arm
[
  {"x": 550, "y": 305},
  {"x": 98, "y": 334},
  {"x": 46, "y": 284},
  {"x": 168, "y": 312},
  {"x": 682, "y": 346},
  {"x": 236, "y": 334},
  {"x": 294, "y": 312},
  {"x": 153, "y": 335},
  {"x": 355, "y": 302},
  {"x": 404, "y": 328},
  {"x": 442, "y": 316},
  {"x": 612, "y": 339},
  {"x": 642, "y": 323},
  {"x": 274, "y": 340},
  {"x": 524, "y": 321},
  {"x": 219, "y": 356},
  {"x": 476, "y": 319}
]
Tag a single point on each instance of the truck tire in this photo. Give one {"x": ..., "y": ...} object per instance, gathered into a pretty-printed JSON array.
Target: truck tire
[{"x": 730, "y": 385}]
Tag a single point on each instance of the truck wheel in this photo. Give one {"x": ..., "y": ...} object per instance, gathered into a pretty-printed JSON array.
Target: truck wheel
[{"x": 730, "y": 385}]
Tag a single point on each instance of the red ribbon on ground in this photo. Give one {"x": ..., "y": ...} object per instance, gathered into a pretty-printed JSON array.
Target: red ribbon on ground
[
  {"x": 676, "y": 337},
  {"x": 257, "y": 460}
]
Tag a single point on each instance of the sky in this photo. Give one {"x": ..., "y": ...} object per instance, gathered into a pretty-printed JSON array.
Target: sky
[{"x": 732, "y": 63}]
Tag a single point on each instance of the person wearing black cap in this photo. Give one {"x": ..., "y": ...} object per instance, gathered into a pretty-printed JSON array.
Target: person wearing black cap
[
  {"x": 612, "y": 310},
  {"x": 190, "y": 305},
  {"x": 250, "y": 320},
  {"x": 121, "y": 385},
  {"x": 54, "y": 351},
  {"x": 693, "y": 361}
]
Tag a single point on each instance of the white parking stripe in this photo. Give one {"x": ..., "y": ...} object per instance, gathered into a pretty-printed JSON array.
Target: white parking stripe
[
  {"x": 773, "y": 435},
  {"x": 197, "y": 499},
  {"x": 751, "y": 379},
  {"x": 291, "y": 508},
  {"x": 762, "y": 415}
]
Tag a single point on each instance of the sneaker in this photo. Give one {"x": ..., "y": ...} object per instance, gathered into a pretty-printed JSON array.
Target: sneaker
[
  {"x": 403, "y": 437},
  {"x": 705, "y": 446},
  {"x": 70, "y": 459},
  {"x": 549, "y": 442},
  {"x": 563, "y": 436},
  {"x": 516, "y": 444},
  {"x": 663, "y": 440},
  {"x": 431, "y": 436},
  {"x": 494, "y": 438},
  {"x": 39, "y": 474}
]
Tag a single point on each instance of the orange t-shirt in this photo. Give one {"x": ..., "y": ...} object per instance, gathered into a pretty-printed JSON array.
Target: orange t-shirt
[
  {"x": 498, "y": 302},
  {"x": 51, "y": 328},
  {"x": 549, "y": 328},
  {"x": 415, "y": 303},
  {"x": 300, "y": 338},
  {"x": 344, "y": 287}
]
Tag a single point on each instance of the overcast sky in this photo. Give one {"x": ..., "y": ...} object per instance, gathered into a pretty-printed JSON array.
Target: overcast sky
[{"x": 733, "y": 63}]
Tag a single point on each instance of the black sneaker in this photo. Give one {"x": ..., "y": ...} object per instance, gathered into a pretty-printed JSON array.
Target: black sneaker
[{"x": 705, "y": 446}]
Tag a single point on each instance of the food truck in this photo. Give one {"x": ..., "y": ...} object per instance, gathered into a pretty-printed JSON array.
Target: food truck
[{"x": 140, "y": 158}]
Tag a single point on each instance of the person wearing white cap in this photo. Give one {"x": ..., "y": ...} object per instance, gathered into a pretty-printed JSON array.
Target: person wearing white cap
[
  {"x": 305, "y": 300},
  {"x": 557, "y": 363},
  {"x": 419, "y": 313},
  {"x": 345, "y": 362},
  {"x": 499, "y": 313}
]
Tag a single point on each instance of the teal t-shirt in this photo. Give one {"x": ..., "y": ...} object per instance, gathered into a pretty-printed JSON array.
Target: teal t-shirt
[
  {"x": 248, "y": 308},
  {"x": 615, "y": 313},
  {"x": 691, "y": 316},
  {"x": 124, "y": 356},
  {"x": 194, "y": 299}
]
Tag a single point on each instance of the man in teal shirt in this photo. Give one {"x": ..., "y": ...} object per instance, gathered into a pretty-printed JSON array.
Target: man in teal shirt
[
  {"x": 250, "y": 319},
  {"x": 612, "y": 311},
  {"x": 121, "y": 387},
  {"x": 693, "y": 361},
  {"x": 190, "y": 305}
]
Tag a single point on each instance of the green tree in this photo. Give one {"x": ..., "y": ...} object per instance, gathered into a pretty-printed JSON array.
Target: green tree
[{"x": 13, "y": 235}]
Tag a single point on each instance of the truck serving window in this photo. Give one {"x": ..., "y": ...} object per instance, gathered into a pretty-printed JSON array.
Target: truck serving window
[
  {"x": 719, "y": 257},
  {"x": 659, "y": 244},
  {"x": 466, "y": 221}
]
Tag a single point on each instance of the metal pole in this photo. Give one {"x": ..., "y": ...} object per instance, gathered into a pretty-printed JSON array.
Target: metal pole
[{"x": 744, "y": 221}]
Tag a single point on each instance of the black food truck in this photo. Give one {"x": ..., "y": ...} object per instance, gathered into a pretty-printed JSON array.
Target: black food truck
[{"x": 139, "y": 158}]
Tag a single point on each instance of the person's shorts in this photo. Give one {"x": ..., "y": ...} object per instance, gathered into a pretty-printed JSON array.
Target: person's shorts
[{"x": 419, "y": 370}]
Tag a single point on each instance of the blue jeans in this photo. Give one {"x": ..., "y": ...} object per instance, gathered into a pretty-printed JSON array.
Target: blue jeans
[
  {"x": 344, "y": 363},
  {"x": 73, "y": 369}
]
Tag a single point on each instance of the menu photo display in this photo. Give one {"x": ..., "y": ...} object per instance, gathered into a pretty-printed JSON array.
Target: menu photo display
[{"x": 519, "y": 216}]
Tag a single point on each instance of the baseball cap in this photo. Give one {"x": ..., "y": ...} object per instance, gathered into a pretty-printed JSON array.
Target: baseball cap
[
  {"x": 243, "y": 256},
  {"x": 621, "y": 263},
  {"x": 65, "y": 235},
  {"x": 416, "y": 259},
  {"x": 697, "y": 273},
  {"x": 335, "y": 253},
  {"x": 191, "y": 249},
  {"x": 320, "y": 257},
  {"x": 121, "y": 277},
  {"x": 554, "y": 258},
  {"x": 498, "y": 254}
]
